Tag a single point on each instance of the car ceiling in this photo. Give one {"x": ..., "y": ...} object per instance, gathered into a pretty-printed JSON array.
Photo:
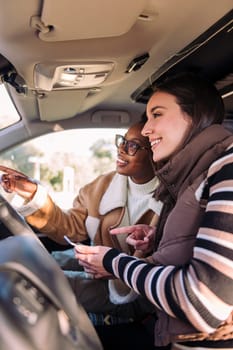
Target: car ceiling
[{"x": 37, "y": 37}]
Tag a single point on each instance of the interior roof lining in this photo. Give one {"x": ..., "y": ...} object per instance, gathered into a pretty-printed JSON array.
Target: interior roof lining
[{"x": 195, "y": 57}]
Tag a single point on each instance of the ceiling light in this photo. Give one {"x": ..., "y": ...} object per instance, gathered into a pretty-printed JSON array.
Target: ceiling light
[{"x": 75, "y": 76}]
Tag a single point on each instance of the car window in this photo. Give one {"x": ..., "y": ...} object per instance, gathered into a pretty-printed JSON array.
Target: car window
[
  {"x": 64, "y": 161},
  {"x": 8, "y": 112}
]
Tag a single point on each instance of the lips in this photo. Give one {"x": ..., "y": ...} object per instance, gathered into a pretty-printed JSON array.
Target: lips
[
  {"x": 155, "y": 142},
  {"x": 121, "y": 162}
]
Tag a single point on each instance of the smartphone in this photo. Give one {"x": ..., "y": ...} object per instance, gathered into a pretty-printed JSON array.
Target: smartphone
[{"x": 70, "y": 242}]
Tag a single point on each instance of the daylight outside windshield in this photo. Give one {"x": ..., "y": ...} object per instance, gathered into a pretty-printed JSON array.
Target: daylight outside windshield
[
  {"x": 8, "y": 113},
  {"x": 64, "y": 161}
]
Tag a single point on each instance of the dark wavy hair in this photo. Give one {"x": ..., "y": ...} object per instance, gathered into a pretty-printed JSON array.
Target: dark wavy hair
[{"x": 197, "y": 97}]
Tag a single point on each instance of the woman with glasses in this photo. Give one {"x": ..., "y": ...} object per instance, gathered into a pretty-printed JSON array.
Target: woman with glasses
[
  {"x": 194, "y": 158},
  {"x": 119, "y": 198}
]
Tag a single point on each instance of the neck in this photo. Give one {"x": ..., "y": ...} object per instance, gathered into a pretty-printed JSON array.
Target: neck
[{"x": 143, "y": 179}]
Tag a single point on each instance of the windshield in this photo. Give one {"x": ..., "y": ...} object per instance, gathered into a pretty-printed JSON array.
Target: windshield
[{"x": 64, "y": 161}]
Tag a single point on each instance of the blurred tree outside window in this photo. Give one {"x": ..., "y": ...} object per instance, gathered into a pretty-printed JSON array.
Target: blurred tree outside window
[{"x": 65, "y": 161}]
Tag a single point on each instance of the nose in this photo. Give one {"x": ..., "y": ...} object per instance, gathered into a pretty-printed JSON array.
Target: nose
[
  {"x": 122, "y": 148},
  {"x": 146, "y": 131}
]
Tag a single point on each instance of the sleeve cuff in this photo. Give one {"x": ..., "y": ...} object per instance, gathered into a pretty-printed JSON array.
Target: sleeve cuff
[
  {"x": 36, "y": 203},
  {"x": 108, "y": 259}
]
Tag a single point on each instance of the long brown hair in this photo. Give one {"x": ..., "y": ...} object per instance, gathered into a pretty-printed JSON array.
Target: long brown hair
[{"x": 197, "y": 97}]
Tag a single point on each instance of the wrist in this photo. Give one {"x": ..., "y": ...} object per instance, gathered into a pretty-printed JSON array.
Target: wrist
[
  {"x": 37, "y": 202},
  {"x": 33, "y": 192}
]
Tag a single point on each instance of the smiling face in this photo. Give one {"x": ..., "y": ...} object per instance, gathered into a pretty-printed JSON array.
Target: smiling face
[
  {"x": 139, "y": 166},
  {"x": 167, "y": 126}
]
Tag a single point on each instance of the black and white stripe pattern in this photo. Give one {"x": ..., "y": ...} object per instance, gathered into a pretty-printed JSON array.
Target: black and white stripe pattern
[{"x": 201, "y": 291}]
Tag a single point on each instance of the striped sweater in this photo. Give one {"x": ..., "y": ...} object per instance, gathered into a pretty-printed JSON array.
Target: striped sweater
[{"x": 201, "y": 291}]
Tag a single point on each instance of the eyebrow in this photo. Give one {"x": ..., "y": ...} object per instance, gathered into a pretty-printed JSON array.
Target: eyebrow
[
  {"x": 156, "y": 107},
  {"x": 136, "y": 140}
]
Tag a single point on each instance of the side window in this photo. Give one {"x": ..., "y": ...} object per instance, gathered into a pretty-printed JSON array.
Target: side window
[
  {"x": 64, "y": 161},
  {"x": 8, "y": 113}
]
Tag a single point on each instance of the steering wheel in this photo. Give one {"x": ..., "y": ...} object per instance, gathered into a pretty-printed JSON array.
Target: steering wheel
[
  {"x": 13, "y": 224},
  {"x": 13, "y": 221},
  {"x": 32, "y": 263}
]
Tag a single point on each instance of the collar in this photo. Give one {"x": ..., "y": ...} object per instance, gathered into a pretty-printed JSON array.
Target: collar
[
  {"x": 192, "y": 161},
  {"x": 142, "y": 189},
  {"x": 116, "y": 194}
]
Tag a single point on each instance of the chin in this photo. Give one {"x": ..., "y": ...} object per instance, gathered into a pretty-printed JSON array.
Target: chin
[
  {"x": 121, "y": 171},
  {"x": 156, "y": 158}
]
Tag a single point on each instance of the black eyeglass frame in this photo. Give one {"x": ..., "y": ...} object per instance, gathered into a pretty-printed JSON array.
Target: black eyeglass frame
[{"x": 126, "y": 144}]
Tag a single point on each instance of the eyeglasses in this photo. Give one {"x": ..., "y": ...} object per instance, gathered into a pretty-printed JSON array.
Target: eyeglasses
[{"x": 130, "y": 147}]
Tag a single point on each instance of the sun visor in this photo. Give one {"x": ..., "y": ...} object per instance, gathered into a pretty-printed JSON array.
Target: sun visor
[
  {"x": 80, "y": 19},
  {"x": 61, "y": 104}
]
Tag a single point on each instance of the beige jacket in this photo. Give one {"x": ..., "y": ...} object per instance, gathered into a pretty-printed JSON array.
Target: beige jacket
[{"x": 99, "y": 206}]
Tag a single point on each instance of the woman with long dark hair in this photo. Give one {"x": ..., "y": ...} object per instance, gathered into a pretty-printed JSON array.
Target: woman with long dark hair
[{"x": 189, "y": 277}]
